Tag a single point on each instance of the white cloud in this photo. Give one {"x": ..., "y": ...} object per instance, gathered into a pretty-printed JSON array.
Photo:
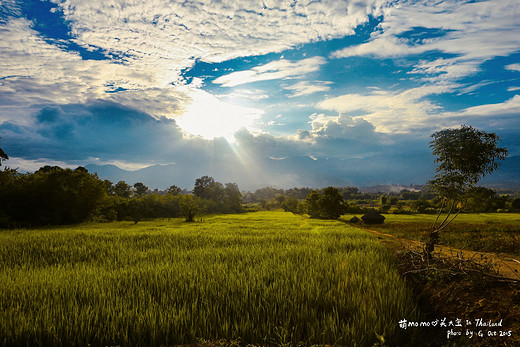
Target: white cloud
[
  {"x": 281, "y": 69},
  {"x": 513, "y": 67},
  {"x": 33, "y": 165},
  {"x": 512, "y": 89},
  {"x": 36, "y": 72},
  {"x": 389, "y": 111},
  {"x": 217, "y": 31},
  {"x": 155, "y": 40},
  {"x": 210, "y": 117},
  {"x": 509, "y": 107},
  {"x": 308, "y": 87},
  {"x": 470, "y": 31}
]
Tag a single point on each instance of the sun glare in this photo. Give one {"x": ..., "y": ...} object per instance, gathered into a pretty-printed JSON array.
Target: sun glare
[{"x": 209, "y": 117}]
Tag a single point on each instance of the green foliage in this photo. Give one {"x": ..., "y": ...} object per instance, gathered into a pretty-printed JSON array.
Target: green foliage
[
  {"x": 464, "y": 156},
  {"x": 216, "y": 197},
  {"x": 206, "y": 188},
  {"x": 263, "y": 278},
  {"x": 51, "y": 195},
  {"x": 292, "y": 205},
  {"x": 122, "y": 189},
  {"x": 190, "y": 207},
  {"x": 140, "y": 189},
  {"x": 328, "y": 205},
  {"x": 481, "y": 199},
  {"x": 487, "y": 232},
  {"x": 515, "y": 204},
  {"x": 174, "y": 190},
  {"x": 420, "y": 206}
]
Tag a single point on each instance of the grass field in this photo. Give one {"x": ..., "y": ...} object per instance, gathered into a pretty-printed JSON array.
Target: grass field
[
  {"x": 263, "y": 278},
  {"x": 489, "y": 232}
]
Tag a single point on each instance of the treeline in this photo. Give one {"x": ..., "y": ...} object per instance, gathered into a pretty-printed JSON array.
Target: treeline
[
  {"x": 54, "y": 196},
  {"x": 352, "y": 200}
]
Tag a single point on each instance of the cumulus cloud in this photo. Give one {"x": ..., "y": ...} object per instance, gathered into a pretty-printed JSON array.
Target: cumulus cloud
[
  {"x": 281, "y": 69},
  {"x": 389, "y": 111}
]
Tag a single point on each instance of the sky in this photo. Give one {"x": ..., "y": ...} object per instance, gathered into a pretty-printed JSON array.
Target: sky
[{"x": 264, "y": 92}]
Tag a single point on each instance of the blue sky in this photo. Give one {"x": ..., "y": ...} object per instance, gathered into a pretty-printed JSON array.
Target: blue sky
[{"x": 247, "y": 86}]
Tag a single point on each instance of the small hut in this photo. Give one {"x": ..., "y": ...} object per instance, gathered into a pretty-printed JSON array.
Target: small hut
[
  {"x": 354, "y": 219},
  {"x": 373, "y": 217}
]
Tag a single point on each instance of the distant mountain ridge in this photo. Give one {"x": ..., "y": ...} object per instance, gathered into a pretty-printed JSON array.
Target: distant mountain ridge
[{"x": 402, "y": 170}]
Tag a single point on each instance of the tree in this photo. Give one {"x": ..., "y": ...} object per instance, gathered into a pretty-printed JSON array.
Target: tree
[
  {"x": 515, "y": 204},
  {"x": 464, "y": 156},
  {"x": 328, "y": 205},
  {"x": 173, "y": 190},
  {"x": 232, "y": 198},
  {"x": 291, "y": 204},
  {"x": 312, "y": 204},
  {"x": 202, "y": 187},
  {"x": 190, "y": 207},
  {"x": 122, "y": 189},
  {"x": 481, "y": 199},
  {"x": 331, "y": 203},
  {"x": 140, "y": 189},
  {"x": 51, "y": 195},
  {"x": 3, "y": 156}
]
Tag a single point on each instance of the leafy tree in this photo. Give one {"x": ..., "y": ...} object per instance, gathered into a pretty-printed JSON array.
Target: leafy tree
[
  {"x": 140, "y": 189},
  {"x": 312, "y": 204},
  {"x": 51, "y": 195},
  {"x": 328, "y": 205},
  {"x": 173, "y": 190},
  {"x": 122, "y": 189},
  {"x": 481, "y": 199},
  {"x": 420, "y": 206},
  {"x": 331, "y": 203},
  {"x": 292, "y": 204},
  {"x": 515, "y": 204},
  {"x": 464, "y": 156},
  {"x": 217, "y": 197},
  {"x": 190, "y": 207},
  {"x": 232, "y": 198},
  {"x": 109, "y": 187},
  {"x": 202, "y": 188}
]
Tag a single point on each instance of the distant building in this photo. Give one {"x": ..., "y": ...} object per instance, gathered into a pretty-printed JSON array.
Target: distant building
[{"x": 373, "y": 217}]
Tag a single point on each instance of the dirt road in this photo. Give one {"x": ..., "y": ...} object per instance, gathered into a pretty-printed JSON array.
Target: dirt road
[{"x": 508, "y": 265}]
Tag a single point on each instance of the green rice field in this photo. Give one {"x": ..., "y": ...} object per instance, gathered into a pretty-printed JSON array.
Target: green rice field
[
  {"x": 266, "y": 278},
  {"x": 487, "y": 232}
]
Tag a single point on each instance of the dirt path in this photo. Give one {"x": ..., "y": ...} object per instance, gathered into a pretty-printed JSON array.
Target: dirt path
[{"x": 507, "y": 264}]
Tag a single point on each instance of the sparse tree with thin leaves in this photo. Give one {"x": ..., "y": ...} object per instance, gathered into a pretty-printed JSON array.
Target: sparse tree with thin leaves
[
  {"x": 3, "y": 156},
  {"x": 464, "y": 156}
]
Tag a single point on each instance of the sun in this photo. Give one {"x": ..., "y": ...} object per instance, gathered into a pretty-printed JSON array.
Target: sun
[{"x": 209, "y": 117}]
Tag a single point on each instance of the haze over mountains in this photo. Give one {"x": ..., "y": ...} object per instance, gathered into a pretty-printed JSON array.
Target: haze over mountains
[{"x": 303, "y": 172}]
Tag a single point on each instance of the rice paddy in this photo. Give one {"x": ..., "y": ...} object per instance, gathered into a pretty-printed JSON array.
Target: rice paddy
[
  {"x": 268, "y": 278},
  {"x": 487, "y": 232}
]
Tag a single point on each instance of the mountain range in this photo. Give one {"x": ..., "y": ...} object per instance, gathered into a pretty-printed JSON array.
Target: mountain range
[{"x": 302, "y": 172}]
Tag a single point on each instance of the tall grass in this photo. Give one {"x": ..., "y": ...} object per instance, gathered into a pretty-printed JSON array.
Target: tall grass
[
  {"x": 264, "y": 278},
  {"x": 488, "y": 232}
]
